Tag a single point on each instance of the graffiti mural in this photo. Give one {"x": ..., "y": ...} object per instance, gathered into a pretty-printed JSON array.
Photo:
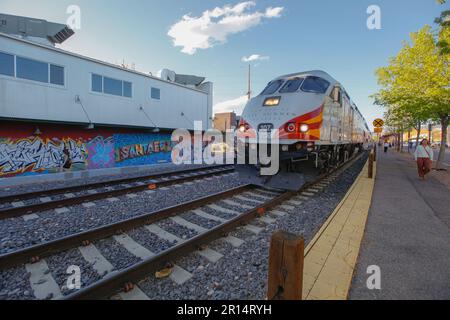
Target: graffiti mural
[
  {"x": 31, "y": 156},
  {"x": 101, "y": 153},
  {"x": 25, "y": 152},
  {"x": 139, "y": 149}
]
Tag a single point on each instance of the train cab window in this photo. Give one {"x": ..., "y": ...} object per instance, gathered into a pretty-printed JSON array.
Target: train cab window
[
  {"x": 315, "y": 85},
  {"x": 292, "y": 85},
  {"x": 272, "y": 87}
]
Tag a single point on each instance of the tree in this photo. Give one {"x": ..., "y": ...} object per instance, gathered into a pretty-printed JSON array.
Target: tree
[{"x": 416, "y": 83}]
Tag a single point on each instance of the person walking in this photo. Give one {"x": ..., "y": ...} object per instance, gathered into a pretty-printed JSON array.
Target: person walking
[
  {"x": 424, "y": 158},
  {"x": 386, "y": 146}
]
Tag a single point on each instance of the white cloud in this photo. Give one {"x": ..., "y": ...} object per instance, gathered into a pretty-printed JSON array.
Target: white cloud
[
  {"x": 214, "y": 26},
  {"x": 237, "y": 105},
  {"x": 254, "y": 57}
]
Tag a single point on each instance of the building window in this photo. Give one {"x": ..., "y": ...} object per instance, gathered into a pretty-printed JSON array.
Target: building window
[
  {"x": 56, "y": 75},
  {"x": 32, "y": 70},
  {"x": 6, "y": 64},
  {"x": 111, "y": 86},
  {"x": 127, "y": 88},
  {"x": 156, "y": 94},
  {"x": 97, "y": 83}
]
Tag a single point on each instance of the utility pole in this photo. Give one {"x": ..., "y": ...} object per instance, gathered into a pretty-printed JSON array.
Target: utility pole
[{"x": 249, "y": 93}]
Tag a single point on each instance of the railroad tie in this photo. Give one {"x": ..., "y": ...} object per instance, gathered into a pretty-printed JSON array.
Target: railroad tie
[
  {"x": 133, "y": 247},
  {"x": 222, "y": 209},
  {"x": 42, "y": 281},
  {"x": 208, "y": 216},
  {"x": 179, "y": 275},
  {"x": 163, "y": 234},
  {"x": 189, "y": 225},
  {"x": 92, "y": 255},
  {"x": 210, "y": 255},
  {"x": 236, "y": 204},
  {"x": 136, "y": 294},
  {"x": 235, "y": 242}
]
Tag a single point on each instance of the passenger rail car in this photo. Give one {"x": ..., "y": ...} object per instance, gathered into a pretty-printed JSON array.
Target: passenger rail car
[{"x": 318, "y": 127}]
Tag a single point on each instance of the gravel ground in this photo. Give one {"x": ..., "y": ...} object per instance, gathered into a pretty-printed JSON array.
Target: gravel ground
[
  {"x": 15, "y": 233},
  {"x": 175, "y": 229},
  {"x": 220, "y": 214},
  {"x": 14, "y": 284},
  {"x": 117, "y": 255},
  {"x": 149, "y": 240},
  {"x": 200, "y": 221},
  {"x": 242, "y": 272},
  {"x": 59, "y": 263}
]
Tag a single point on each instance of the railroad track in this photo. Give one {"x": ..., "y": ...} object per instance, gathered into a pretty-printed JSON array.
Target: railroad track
[
  {"x": 228, "y": 210},
  {"x": 29, "y": 203}
]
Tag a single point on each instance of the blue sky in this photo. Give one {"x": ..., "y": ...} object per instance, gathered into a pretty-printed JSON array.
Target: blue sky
[{"x": 291, "y": 36}]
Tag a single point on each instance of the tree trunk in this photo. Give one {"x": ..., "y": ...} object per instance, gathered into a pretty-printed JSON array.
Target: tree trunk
[
  {"x": 444, "y": 126},
  {"x": 409, "y": 138},
  {"x": 418, "y": 134}
]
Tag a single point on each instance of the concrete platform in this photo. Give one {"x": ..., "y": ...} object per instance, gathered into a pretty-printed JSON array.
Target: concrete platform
[
  {"x": 407, "y": 235},
  {"x": 330, "y": 257}
]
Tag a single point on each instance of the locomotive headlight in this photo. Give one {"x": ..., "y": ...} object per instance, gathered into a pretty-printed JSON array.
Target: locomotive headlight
[
  {"x": 285, "y": 148},
  {"x": 304, "y": 128},
  {"x": 242, "y": 128},
  {"x": 272, "y": 102}
]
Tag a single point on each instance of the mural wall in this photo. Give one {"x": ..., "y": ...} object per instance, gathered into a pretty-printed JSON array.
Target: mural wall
[{"x": 26, "y": 151}]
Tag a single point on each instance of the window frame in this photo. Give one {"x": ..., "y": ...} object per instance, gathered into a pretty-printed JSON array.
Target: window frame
[
  {"x": 111, "y": 94},
  {"x": 122, "y": 95},
  {"x": 151, "y": 93},
  {"x": 50, "y": 74},
  {"x": 39, "y": 61},
  {"x": 276, "y": 90},
  {"x": 14, "y": 65},
  {"x": 309, "y": 91},
  {"x": 290, "y": 80},
  {"x": 35, "y": 82}
]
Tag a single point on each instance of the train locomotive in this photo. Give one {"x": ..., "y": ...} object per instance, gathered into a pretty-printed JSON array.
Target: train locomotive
[{"x": 318, "y": 128}]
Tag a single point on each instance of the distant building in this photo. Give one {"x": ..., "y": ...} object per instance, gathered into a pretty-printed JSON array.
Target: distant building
[
  {"x": 104, "y": 114},
  {"x": 225, "y": 121}
]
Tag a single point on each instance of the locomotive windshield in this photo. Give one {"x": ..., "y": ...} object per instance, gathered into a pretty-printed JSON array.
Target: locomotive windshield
[
  {"x": 272, "y": 87},
  {"x": 315, "y": 85},
  {"x": 292, "y": 85}
]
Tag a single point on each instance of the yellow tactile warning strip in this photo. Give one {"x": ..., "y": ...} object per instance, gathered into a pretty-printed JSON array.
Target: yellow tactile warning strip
[{"x": 331, "y": 256}]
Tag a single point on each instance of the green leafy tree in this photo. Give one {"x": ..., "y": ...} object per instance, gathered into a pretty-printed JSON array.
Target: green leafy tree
[{"x": 416, "y": 83}]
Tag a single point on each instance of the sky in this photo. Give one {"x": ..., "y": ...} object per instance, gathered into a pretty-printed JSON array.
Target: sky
[{"x": 219, "y": 39}]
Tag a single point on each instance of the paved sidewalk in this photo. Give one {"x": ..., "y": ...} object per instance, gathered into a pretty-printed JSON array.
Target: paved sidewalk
[{"x": 407, "y": 235}]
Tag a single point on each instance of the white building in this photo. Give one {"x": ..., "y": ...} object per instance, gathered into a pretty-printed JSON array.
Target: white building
[{"x": 39, "y": 82}]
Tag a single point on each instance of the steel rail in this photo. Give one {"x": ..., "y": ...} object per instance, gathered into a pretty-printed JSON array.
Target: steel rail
[
  {"x": 79, "y": 239},
  {"x": 32, "y": 208},
  {"x": 115, "y": 282},
  {"x": 97, "y": 185}
]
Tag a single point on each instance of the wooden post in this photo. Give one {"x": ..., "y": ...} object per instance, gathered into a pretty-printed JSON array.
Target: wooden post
[
  {"x": 286, "y": 266},
  {"x": 371, "y": 165}
]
